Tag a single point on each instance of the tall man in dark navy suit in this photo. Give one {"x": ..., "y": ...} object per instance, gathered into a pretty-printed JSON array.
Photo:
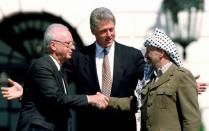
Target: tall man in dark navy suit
[{"x": 126, "y": 67}]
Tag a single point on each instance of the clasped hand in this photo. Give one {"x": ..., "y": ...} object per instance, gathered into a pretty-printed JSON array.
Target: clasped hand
[{"x": 99, "y": 100}]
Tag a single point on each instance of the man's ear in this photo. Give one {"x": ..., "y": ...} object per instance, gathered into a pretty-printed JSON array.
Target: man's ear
[
  {"x": 165, "y": 54},
  {"x": 162, "y": 52},
  {"x": 52, "y": 46}
]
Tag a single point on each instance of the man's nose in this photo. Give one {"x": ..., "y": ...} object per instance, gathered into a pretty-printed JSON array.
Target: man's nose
[
  {"x": 73, "y": 47},
  {"x": 108, "y": 33}
]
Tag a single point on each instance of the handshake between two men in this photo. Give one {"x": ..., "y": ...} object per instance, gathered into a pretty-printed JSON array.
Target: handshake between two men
[
  {"x": 99, "y": 100},
  {"x": 15, "y": 91}
]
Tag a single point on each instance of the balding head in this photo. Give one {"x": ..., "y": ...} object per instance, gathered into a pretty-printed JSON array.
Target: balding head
[
  {"x": 54, "y": 32},
  {"x": 59, "y": 42}
]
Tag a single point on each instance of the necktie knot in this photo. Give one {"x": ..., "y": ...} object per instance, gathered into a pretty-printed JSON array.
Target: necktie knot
[
  {"x": 158, "y": 73},
  {"x": 105, "y": 51},
  {"x": 60, "y": 72}
]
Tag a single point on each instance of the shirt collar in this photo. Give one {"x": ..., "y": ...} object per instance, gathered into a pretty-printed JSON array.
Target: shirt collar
[
  {"x": 56, "y": 63},
  {"x": 162, "y": 70},
  {"x": 110, "y": 50}
]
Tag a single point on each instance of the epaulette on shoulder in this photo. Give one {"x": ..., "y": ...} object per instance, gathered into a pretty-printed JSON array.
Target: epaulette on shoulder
[{"x": 182, "y": 69}]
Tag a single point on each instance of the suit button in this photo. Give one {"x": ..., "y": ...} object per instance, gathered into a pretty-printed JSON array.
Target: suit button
[
  {"x": 150, "y": 93},
  {"x": 150, "y": 104}
]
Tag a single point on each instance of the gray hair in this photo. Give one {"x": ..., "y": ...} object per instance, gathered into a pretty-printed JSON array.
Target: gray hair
[
  {"x": 50, "y": 34},
  {"x": 99, "y": 14}
]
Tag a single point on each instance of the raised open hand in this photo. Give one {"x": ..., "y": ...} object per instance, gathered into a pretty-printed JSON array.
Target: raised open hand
[{"x": 15, "y": 91}]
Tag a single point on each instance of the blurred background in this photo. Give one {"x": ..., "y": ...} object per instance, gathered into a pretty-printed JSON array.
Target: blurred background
[{"x": 23, "y": 22}]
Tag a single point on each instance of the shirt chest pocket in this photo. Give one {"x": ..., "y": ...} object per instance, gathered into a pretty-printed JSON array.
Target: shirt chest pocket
[{"x": 163, "y": 98}]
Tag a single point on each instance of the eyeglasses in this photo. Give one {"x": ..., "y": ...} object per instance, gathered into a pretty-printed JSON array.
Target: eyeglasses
[{"x": 70, "y": 44}]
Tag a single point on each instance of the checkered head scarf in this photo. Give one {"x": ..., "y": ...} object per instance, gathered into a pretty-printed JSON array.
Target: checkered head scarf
[{"x": 160, "y": 40}]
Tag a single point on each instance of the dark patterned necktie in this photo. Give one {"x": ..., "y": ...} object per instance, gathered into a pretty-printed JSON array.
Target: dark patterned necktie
[
  {"x": 63, "y": 82},
  {"x": 106, "y": 75}
]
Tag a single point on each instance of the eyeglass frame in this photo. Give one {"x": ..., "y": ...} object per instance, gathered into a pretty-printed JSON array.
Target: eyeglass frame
[{"x": 66, "y": 44}]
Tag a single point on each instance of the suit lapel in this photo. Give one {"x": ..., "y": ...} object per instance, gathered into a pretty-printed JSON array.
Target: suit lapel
[
  {"x": 118, "y": 66},
  {"x": 56, "y": 73},
  {"x": 165, "y": 77},
  {"x": 90, "y": 67}
]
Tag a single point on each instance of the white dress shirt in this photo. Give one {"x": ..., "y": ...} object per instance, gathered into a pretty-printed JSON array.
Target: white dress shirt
[
  {"x": 99, "y": 60},
  {"x": 58, "y": 67}
]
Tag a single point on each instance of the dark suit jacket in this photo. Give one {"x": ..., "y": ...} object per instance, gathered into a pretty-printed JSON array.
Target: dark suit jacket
[
  {"x": 44, "y": 103},
  {"x": 128, "y": 67}
]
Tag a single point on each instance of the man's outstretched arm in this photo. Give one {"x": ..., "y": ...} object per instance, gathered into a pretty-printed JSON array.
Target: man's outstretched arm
[{"x": 15, "y": 91}]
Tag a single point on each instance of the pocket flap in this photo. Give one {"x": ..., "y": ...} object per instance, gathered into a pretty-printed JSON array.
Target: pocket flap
[{"x": 164, "y": 92}]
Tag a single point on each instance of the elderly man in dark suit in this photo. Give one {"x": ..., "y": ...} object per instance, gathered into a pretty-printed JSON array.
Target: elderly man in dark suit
[{"x": 45, "y": 101}]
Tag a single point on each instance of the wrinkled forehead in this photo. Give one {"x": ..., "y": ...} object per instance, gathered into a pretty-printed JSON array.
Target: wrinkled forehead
[{"x": 152, "y": 48}]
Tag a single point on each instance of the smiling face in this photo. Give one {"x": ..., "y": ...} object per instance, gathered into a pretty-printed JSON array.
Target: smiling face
[
  {"x": 105, "y": 33},
  {"x": 154, "y": 56}
]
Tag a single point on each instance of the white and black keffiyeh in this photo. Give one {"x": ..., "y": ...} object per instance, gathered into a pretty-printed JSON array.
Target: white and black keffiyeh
[
  {"x": 160, "y": 40},
  {"x": 148, "y": 71}
]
